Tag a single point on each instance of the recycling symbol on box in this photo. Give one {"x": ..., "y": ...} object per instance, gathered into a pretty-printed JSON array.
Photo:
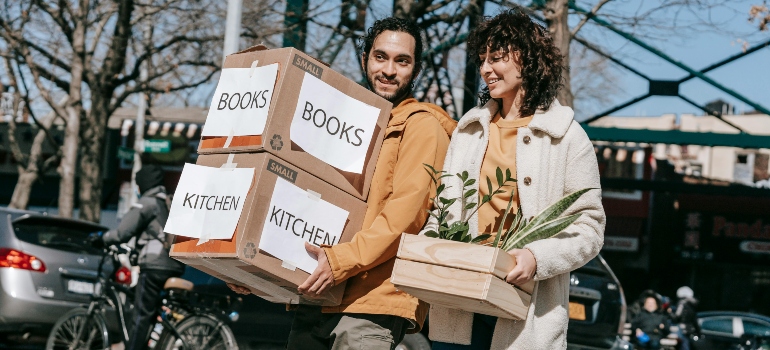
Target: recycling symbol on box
[
  {"x": 250, "y": 250},
  {"x": 276, "y": 143}
]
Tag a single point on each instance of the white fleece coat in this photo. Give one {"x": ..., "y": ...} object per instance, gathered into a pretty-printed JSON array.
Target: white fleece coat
[{"x": 554, "y": 157}]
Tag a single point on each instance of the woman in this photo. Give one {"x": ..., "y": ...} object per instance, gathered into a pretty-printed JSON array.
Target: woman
[{"x": 521, "y": 126}]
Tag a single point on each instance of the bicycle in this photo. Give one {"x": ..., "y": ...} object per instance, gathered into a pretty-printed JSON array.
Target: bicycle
[{"x": 188, "y": 320}]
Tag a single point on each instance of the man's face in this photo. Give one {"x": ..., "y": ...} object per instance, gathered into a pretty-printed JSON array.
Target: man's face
[
  {"x": 389, "y": 65},
  {"x": 650, "y": 305}
]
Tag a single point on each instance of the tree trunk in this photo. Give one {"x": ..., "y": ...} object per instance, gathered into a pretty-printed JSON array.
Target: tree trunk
[
  {"x": 92, "y": 154},
  {"x": 556, "y": 12},
  {"x": 74, "y": 107},
  {"x": 20, "y": 198},
  {"x": 28, "y": 175}
]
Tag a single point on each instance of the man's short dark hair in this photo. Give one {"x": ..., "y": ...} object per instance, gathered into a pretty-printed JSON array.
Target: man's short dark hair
[
  {"x": 541, "y": 61},
  {"x": 396, "y": 25}
]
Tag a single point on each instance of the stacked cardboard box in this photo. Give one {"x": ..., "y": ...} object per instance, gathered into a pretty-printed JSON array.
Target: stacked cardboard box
[
  {"x": 460, "y": 276},
  {"x": 312, "y": 137}
]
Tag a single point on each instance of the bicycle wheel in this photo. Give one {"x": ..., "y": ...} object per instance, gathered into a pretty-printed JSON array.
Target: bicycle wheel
[
  {"x": 200, "y": 333},
  {"x": 93, "y": 332}
]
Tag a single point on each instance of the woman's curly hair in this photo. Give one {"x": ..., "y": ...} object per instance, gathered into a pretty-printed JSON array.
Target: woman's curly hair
[{"x": 540, "y": 60}]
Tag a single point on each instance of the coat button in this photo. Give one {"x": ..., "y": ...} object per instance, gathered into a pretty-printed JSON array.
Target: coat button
[
  {"x": 527, "y": 140},
  {"x": 527, "y": 181}
]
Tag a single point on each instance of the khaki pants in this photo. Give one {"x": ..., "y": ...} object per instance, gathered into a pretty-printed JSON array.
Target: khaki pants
[{"x": 313, "y": 330}]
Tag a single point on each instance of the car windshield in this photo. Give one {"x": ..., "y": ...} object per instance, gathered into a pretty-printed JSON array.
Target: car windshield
[
  {"x": 56, "y": 234},
  {"x": 719, "y": 325},
  {"x": 756, "y": 328}
]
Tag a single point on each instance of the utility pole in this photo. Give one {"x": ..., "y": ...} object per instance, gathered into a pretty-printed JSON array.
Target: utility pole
[
  {"x": 141, "y": 108},
  {"x": 232, "y": 28},
  {"x": 471, "y": 83}
]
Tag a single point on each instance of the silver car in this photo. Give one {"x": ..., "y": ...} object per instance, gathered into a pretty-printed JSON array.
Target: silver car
[{"x": 46, "y": 269}]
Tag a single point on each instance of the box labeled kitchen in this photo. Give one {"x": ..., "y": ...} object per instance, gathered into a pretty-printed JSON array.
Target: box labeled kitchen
[
  {"x": 254, "y": 234},
  {"x": 286, "y": 103},
  {"x": 461, "y": 276}
]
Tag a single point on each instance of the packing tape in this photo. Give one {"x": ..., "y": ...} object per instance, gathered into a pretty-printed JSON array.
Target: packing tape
[
  {"x": 253, "y": 68},
  {"x": 229, "y": 138},
  {"x": 313, "y": 195},
  {"x": 204, "y": 238},
  {"x": 288, "y": 265},
  {"x": 229, "y": 165}
]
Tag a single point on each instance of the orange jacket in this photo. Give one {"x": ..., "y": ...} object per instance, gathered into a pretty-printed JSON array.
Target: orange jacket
[{"x": 417, "y": 133}]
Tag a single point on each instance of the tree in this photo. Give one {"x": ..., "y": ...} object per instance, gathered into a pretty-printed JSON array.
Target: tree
[
  {"x": 32, "y": 164},
  {"x": 91, "y": 52}
]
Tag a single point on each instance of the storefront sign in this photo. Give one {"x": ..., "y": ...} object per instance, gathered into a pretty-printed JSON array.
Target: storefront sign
[
  {"x": 157, "y": 146},
  {"x": 729, "y": 238}
]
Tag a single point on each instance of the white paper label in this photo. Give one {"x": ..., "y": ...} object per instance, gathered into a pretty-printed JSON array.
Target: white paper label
[
  {"x": 241, "y": 102},
  {"x": 332, "y": 126},
  {"x": 293, "y": 218},
  {"x": 208, "y": 201}
]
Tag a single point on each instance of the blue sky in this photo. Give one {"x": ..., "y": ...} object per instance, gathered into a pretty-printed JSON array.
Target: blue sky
[{"x": 695, "y": 45}]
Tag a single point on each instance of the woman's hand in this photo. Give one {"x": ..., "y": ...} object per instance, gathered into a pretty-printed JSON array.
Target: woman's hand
[
  {"x": 239, "y": 289},
  {"x": 525, "y": 269}
]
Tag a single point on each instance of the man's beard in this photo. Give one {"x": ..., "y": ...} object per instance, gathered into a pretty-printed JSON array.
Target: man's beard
[{"x": 403, "y": 90}]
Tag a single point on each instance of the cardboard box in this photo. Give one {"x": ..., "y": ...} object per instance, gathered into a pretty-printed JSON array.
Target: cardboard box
[
  {"x": 460, "y": 276},
  {"x": 240, "y": 259},
  {"x": 323, "y": 116}
]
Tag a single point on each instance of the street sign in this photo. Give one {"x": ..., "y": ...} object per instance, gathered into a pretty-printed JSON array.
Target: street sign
[
  {"x": 157, "y": 146},
  {"x": 125, "y": 153}
]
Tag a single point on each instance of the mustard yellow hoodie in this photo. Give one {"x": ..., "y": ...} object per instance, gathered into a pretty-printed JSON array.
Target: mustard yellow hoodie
[{"x": 417, "y": 133}]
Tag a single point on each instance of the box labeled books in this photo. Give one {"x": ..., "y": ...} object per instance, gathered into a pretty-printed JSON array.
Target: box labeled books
[
  {"x": 459, "y": 275},
  {"x": 285, "y": 102}
]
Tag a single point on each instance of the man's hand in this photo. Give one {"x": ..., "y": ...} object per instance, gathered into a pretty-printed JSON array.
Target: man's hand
[
  {"x": 322, "y": 278},
  {"x": 525, "y": 269},
  {"x": 239, "y": 289}
]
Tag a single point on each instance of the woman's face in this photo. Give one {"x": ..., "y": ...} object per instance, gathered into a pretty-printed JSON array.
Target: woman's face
[{"x": 502, "y": 73}]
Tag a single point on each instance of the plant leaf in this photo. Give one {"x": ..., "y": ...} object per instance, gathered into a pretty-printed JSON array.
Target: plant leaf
[
  {"x": 555, "y": 210},
  {"x": 499, "y": 174},
  {"x": 465, "y": 175},
  {"x": 432, "y": 176},
  {"x": 546, "y": 230},
  {"x": 502, "y": 223},
  {"x": 489, "y": 185},
  {"x": 470, "y": 205},
  {"x": 431, "y": 234},
  {"x": 470, "y": 182},
  {"x": 508, "y": 175},
  {"x": 469, "y": 193},
  {"x": 481, "y": 238}
]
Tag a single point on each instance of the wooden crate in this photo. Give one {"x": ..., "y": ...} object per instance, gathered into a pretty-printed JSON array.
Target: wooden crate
[{"x": 461, "y": 276}]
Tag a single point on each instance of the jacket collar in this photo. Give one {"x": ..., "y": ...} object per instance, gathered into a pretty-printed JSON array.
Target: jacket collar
[
  {"x": 399, "y": 115},
  {"x": 554, "y": 121}
]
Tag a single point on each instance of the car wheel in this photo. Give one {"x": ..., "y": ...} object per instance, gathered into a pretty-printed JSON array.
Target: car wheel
[{"x": 415, "y": 341}]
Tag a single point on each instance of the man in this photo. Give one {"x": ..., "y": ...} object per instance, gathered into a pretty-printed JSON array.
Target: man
[
  {"x": 373, "y": 314},
  {"x": 145, "y": 221}
]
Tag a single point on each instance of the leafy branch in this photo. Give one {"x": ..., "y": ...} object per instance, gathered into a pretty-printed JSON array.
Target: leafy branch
[{"x": 521, "y": 232}]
